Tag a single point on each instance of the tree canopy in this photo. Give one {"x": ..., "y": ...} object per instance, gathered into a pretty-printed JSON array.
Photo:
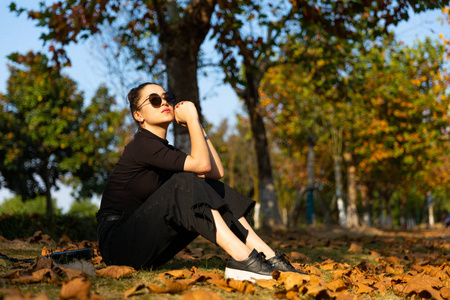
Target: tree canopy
[{"x": 49, "y": 134}]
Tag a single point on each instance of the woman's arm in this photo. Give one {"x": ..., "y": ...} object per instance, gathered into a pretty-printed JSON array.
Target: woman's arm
[{"x": 198, "y": 161}]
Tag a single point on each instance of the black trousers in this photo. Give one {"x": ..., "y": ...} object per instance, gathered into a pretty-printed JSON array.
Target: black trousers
[{"x": 170, "y": 219}]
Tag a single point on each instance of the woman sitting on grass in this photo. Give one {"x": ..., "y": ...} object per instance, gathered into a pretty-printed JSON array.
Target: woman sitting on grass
[{"x": 159, "y": 199}]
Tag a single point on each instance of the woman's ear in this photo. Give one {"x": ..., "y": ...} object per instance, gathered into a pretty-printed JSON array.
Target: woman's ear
[{"x": 138, "y": 117}]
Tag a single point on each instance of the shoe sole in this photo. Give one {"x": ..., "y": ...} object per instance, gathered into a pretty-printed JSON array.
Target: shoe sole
[{"x": 244, "y": 275}]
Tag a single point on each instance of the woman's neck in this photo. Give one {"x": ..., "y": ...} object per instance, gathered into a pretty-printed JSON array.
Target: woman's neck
[{"x": 156, "y": 130}]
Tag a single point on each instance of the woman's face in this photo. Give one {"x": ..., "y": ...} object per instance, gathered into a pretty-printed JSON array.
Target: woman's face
[{"x": 150, "y": 111}]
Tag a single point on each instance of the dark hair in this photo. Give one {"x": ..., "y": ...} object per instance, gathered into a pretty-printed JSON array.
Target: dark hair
[{"x": 133, "y": 98}]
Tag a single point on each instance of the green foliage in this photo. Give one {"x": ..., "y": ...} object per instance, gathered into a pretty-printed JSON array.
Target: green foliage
[
  {"x": 25, "y": 225},
  {"x": 83, "y": 208},
  {"x": 19, "y": 219},
  {"x": 48, "y": 134},
  {"x": 15, "y": 206}
]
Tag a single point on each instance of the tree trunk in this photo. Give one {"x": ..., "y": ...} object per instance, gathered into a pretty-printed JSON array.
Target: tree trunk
[
  {"x": 48, "y": 195},
  {"x": 339, "y": 187},
  {"x": 180, "y": 40},
  {"x": 49, "y": 203},
  {"x": 271, "y": 217},
  {"x": 182, "y": 66},
  {"x": 388, "y": 220},
  {"x": 352, "y": 215},
  {"x": 365, "y": 199},
  {"x": 385, "y": 207},
  {"x": 402, "y": 209},
  {"x": 430, "y": 204},
  {"x": 382, "y": 216},
  {"x": 336, "y": 138},
  {"x": 310, "y": 211},
  {"x": 295, "y": 210}
]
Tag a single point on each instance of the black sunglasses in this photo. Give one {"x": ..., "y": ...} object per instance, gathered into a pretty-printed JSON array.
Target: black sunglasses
[{"x": 156, "y": 100}]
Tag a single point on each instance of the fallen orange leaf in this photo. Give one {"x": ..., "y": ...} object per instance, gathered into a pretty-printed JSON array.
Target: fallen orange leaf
[
  {"x": 374, "y": 253},
  {"x": 200, "y": 295},
  {"x": 174, "y": 286},
  {"x": 420, "y": 285},
  {"x": 115, "y": 271},
  {"x": 314, "y": 290},
  {"x": 222, "y": 257},
  {"x": 362, "y": 288},
  {"x": 39, "y": 237},
  {"x": 233, "y": 285},
  {"x": 208, "y": 275},
  {"x": 291, "y": 279},
  {"x": 312, "y": 270},
  {"x": 328, "y": 266},
  {"x": 221, "y": 283},
  {"x": 97, "y": 260},
  {"x": 355, "y": 247},
  {"x": 135, "y": 289},
  {"x": 380, "y": 288},
  {"x": 245, "y": 287},
  {"x": 267, "y": 283},
  {"x": 445, "y": 292},
  {"x": 13, "y": 274},
  {"x": 48, "y": 275},
  {"x": 73, "y": 273},
  {"x": 77, "y": 288},
  {"x": 178, "y": 273},
  {"x": 344, "y": 296},
  {"x": 392, "y": 260},
  {"x": 336, "y": 285},
  {"x": 171, "y": 288},
  {"x": 184, "y": 256},
  {"x": 45, "y": 251},
  {"x": 299, "y": 256}
]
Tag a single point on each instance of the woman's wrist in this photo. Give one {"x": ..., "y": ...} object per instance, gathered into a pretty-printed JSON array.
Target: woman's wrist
[{"x": 193, "y": 121}]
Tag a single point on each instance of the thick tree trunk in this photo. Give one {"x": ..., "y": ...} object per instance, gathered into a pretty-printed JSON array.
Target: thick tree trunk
[
  {"x": 352, "y": 215},
  {"x": 49, "y": 203},
  {"x": 310, "y": 211},
  {"x": 271, "y": 217},
  {"x": 182, "y": 65},
  {"x": 180, "y": 40},
  {"x": 48, "y": 195}
]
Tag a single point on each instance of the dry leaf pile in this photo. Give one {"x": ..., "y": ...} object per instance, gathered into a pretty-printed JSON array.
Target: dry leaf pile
[{"x": 407, "y": 265}]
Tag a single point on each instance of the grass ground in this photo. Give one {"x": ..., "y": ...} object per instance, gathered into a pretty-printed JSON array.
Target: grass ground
[{"x": 379, "y": 255}]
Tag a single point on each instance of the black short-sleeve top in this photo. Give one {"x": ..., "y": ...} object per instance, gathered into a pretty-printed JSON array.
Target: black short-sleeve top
[{"x": 146, "y": 163}]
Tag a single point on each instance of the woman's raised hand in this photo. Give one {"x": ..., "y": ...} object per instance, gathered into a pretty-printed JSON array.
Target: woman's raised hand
[{"x": 185, "y": 112}]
